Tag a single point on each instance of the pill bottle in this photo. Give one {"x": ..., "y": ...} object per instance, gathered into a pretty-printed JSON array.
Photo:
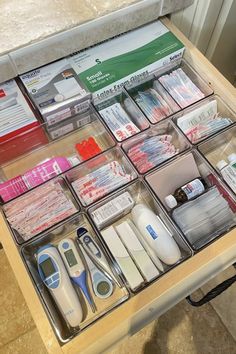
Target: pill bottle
[{"x": 186, "y": 192}]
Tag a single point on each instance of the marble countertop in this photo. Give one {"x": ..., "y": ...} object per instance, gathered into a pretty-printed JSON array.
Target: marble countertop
[{"x": 35, "y": 33}]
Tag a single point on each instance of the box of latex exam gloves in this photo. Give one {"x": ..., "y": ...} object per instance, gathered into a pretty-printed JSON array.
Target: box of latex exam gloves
[
  {"x": 57, "y": 91},
  {"x": 126, "y": 59}
]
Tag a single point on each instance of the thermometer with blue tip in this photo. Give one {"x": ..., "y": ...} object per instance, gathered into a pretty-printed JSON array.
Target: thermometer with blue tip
[
  {"x": 95, "y": 253},
  {"x": 54, "y": 275},
  {"x": 75, "y": 267},
  {"x": 102, "y": 286}
]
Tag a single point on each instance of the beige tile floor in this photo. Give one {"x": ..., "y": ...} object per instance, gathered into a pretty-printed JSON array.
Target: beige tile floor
[{"x": 182, "y": 330}]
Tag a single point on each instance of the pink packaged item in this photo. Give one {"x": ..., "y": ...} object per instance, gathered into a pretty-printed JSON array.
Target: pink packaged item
[
  {"x": 36, "y": 176},
  {"x": 46, "y": 171},
  {"x": 12, "y": 188}
]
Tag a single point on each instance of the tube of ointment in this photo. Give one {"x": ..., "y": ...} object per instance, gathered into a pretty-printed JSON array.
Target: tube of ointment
[
  {"x": 110, "y": 210},
  {"x": 135, "y": 248},
  {"x": 147, "y": 248},
  {"x": 122, "y": 258}
]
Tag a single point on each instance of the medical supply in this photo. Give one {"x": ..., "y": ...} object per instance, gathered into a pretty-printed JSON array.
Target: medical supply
[
  {"x": 109, "y": 211},
  {"x": 101, "y": 181},
  {"x": 156, "y": 234},
  {"x": 135, "y": 113},
  {"x": 54, "y": 275},
  {"x": 39, "y": 209},
  {"x": 181, "y": 88},
  {"x": 153, "y": 105},
  {"x": 122, "y": 258},
  {"x": 223, "y": 191},
  {"x": 88, "y": 148},
  {"x": 95, "y": 253},
  {"x": 166, "y": 97},
  {"x": 16, "y": 116},
  {"x": 75, "y": 267},
  {"x": 102, "y": 286},
  {"x": 202, "y": 122},
  {"x": 49, "y": 169},
  {"x": 136, "y": 250},
  {"x": 147, "y": 247},
  {"x": 56, "y": 91},
  {"x": 188, "y": 191},
  {"x": 119, "y": 122},
  {"x": 36, "y": 176},
  {"x": 12, "y": 188},
  {"x": 106, "y": 68},
  {"x": 201, "y": 223},
  {"x": 228, "y": 171},
  {"x": 151, "y": 151}
]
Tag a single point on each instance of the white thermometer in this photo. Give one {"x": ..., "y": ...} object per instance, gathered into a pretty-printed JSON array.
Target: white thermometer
[
  {"x": 54, "y": 275},
  {"x": 156, "y": 234},
  {"x": 75, "y": 267},
  {"x": 102, "y": 286},
  {"x": 95, "y": 253}
]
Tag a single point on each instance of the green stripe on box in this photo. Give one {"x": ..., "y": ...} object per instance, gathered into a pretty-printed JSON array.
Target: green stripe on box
[{"x": 114, "y": 69}]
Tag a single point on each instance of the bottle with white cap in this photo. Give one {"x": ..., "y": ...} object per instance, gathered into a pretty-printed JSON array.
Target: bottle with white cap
[
  {"x": 228, "y": 171},
  {"x": 186, "y": 192}
]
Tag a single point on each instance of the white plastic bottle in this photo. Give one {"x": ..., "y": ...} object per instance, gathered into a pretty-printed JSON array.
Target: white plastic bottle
[
  {"x": 156, "y": 234},
  {"x": 228, "y": 171}
]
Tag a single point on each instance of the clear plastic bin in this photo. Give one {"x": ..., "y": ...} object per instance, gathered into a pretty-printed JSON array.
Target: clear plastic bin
[
  {"x": 121, "y": 115},
  {"x": 153, "y": 99},
  {"x": 40, "y": 162},
  {"x": 39, "y": 209},
  {"x": 191, "y": 121},
  {"x": 103, "y": 305},
  {"x": 178, "y": 173},
  {"x": 100, "y": 176},
  {"x": 219, "y": 148},
  {"x": 195, "y": 78},
  {"x": 119, "y": 211},
  {"x": 172, "y": 143}
]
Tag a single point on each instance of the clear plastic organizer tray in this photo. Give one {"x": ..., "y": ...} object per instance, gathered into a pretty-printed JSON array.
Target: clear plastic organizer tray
[
  {"x": 103, "y": 293},
  {"x": 153, "y": 99},
  {"x": 204, "y": 119},
  {"x": 100, "y": 176},
  {"x": 39, "y": 209},
  {"x": 197, "y": 219},
  {"x": 219, "y": 148},
  {"x": 121, "y": 115},
  {"x": 155, "y": 146},
  {"x": 187, "y": 89},
  {"x": 119, "y": 213},
  {"x": 40, "y": 159}
]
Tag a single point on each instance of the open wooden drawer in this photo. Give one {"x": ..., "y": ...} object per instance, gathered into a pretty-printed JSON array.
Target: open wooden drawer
[{"x": 161, "y": 295}]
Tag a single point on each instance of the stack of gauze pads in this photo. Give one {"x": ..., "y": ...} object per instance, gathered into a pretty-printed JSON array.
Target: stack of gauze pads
[{"x": 204, "y": 217}]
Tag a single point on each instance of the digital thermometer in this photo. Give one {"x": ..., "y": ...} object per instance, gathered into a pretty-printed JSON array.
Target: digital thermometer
[
  {"x": 102, "y": 286},
  {"x": 75, "y": 267},
  {"x": 95, "y": 253},
  {"x": 54, "y": 275}
]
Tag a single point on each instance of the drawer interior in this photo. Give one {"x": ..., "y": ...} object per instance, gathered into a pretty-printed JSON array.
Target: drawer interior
[{"x": 149, "y": 188}]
